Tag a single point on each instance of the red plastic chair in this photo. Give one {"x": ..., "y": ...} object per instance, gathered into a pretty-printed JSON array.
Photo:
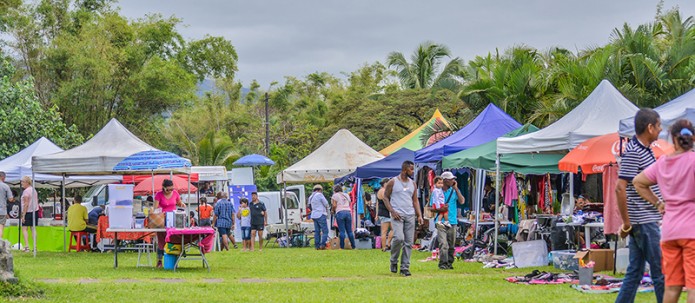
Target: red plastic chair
[{"x": 77, "y": 235}]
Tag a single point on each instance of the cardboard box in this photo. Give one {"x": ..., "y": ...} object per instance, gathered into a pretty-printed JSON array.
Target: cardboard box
[
  {"x": 603, "y": 258},
  {"x": 335, "y": 243}
]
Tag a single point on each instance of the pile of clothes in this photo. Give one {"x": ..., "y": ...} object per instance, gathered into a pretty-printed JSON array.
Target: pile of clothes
[{"x": 538, "y": 277}]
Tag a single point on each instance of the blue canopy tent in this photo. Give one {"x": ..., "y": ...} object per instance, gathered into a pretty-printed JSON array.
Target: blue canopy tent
[
  {"x": 489, "y": 125},
  {"x": 384, "y": 168}
]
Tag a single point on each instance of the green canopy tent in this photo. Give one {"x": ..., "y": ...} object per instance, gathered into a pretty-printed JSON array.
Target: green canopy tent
[{"x": 483, "y": 157}]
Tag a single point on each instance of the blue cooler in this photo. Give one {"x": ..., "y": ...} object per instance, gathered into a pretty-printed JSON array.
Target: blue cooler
[{"x": 170, "y": 261}]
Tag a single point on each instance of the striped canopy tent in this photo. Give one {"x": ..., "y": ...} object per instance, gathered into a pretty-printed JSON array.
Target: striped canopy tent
[{"x": 413, "y": 141}]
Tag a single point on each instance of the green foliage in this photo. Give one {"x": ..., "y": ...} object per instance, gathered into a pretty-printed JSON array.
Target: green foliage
[
  {"x": 94, "y": 64},
  {"x": 24, "y": 289},
  {"x": 24, "y": 120}
]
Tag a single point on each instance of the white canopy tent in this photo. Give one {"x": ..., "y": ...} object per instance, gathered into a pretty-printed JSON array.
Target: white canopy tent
[
  {"x": 97, "y": 156},
  {"x": 19, "y": 165},
  {"x": 339, "y": 156},
  {"x": 599, "y": 114},
  {"x": 682, "y": 107}
]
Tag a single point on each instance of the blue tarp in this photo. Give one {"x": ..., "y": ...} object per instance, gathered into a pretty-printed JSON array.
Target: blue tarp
[
  {"x": 489, "y": 125},
  {"x": 385, "y": 168}
]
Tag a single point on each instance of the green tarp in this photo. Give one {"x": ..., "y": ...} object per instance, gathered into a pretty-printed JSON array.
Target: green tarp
[
  {"x": 483, "y": 157},
  {"x": 48, "y": 238}
]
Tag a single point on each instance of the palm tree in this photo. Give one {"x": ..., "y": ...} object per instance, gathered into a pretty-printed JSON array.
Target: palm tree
[
  {"x": 216, "y": 150},
  {"x": 423, "y": 70}
]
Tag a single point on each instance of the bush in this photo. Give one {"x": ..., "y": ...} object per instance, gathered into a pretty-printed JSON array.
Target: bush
[{"x": 22, "y": 289}]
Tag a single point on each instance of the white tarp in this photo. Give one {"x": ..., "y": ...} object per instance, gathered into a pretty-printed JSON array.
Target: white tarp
[
  {"x": 339, "y": 156},
  {"x": 97, "y": 156},
  {"x": 19, "y": 165},
  {"x": 682, "y": 107},
  {"x": 599, "y": 114}
]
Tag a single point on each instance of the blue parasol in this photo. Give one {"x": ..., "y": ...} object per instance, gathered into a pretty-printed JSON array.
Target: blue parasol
[
  {"x": 253, "y": 160},
  {"x": 151, "y": 160}
]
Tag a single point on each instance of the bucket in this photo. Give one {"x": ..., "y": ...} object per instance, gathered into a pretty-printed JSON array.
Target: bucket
[
  {"x": 586, "y": 275},
  {"x": 622, "y": 260},
  {"x": 169, "y": 261}
]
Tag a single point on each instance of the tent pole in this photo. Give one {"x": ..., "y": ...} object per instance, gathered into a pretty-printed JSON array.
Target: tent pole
[
  {"x": 497, "y": 199},
  {"x": 283, "y": 204},
  {"x": 188, "y": 197},
  {"x": 64, "y": 203},
  {"x": 34, "y": 219},
  {"x": 153, "y": 185}
]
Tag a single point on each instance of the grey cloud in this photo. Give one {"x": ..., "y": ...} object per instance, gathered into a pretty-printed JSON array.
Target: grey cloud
[{"x": 279, "y": 38}]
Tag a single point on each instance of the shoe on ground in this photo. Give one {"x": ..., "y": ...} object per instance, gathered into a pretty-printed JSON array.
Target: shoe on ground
[
  {"x": 450, "y": 267},
  {"x": 443, "y": 267},
  {"x": 236, "y": 246},
  {"x": 394, "y": 268},
  {"x": 405, "y": 273},
  {"x": 159, "y": 264}
]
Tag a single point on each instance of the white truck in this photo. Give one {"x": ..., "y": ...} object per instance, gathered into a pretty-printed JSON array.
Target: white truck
[{"x": 294, "y": 203}]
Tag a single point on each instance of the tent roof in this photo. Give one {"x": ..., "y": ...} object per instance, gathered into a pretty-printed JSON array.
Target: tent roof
[
  {"x": 210, "y": 173},
  {"x": 386, "y": 167},
  {"x": 491, "y": 123},
  {"x": 483, "y": 157},
  {"x": 682, "y": 107},
  {"x": 339, "y": 156},
  {"x": 598, "y": 114},
  {"x": 99, "y": 155},
  {"x": 413, "y": 141},
  {"x": 19, "y": 165}
]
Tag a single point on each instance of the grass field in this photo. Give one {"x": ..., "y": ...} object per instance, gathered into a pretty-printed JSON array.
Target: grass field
[{"x": 280, "y": 275}]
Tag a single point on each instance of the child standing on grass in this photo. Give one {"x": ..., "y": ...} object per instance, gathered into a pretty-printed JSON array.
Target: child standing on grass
[
  {"x": 437, "y": 202},
  {"x": 244, "y": 215}
]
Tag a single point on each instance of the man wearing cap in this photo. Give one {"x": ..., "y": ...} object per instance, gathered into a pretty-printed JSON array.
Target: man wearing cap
[
  {"x": 400, "y": 198},
  {"x": 446, "y": 236},
  {"x": 319, "y": 213}
]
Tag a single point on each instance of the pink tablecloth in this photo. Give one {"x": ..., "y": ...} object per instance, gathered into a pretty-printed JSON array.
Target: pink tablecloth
[{"x": 174, "y": 235}]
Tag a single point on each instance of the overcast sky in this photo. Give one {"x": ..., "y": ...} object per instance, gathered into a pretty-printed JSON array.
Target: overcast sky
[{"x": 279, "y": 38}]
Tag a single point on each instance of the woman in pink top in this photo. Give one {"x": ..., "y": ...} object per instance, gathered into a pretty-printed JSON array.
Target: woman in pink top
[
  {"x": 30, "y": 210},
  {"x": 343, "y": 215},
  {"x": 675, "y": 175},
  {"x": 167, "y": 200}
]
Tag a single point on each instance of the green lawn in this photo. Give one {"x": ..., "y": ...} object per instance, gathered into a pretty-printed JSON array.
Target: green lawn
[{"x": 280, "y": 275}]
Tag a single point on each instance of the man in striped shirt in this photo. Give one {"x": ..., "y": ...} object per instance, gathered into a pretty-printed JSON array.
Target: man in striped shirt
[{"x": 640, "y": 218}]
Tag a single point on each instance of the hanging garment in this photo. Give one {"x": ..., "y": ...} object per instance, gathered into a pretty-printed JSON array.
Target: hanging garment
[
  {"x": 611, "y": 214},
  {"x": 511, "y": 190},
  {"x": 430, "y": 180}
]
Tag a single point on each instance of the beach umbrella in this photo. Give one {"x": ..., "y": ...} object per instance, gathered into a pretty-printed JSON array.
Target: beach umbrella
[
  {"x": 254, "y": 160},
  {"x": 595, "y": 153},
  {"x": 151, "y": 160},
  {"x": 154, "y": 184}
]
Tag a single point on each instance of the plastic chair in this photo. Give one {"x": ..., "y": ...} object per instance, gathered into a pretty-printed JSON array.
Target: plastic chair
[{"x": 77, "y": 236}]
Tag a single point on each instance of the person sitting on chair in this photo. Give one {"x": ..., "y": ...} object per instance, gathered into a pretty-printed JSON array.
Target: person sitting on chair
[{"x": 78, "y": 217}]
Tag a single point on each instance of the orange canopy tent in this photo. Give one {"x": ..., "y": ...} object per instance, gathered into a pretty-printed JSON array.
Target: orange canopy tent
[{"x": 594, "y": 154}]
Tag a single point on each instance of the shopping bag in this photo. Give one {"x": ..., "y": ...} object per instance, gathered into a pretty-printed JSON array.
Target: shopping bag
[
  {"x": 172, "y": 249},
  {"x": 155, "y": 220}
]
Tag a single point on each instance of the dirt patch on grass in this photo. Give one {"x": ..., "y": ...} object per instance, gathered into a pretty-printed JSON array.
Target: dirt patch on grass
[
  {"x": 252, "y": 280},
  {"x": 87, "y": 281},
  {"x": 213, "y": 280},
  {"x": 297, "y": 280},
  {"x": 50, "y": 281},
  {"x": 168, "y": 280},
  {"x": 126, "y": 281}
]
